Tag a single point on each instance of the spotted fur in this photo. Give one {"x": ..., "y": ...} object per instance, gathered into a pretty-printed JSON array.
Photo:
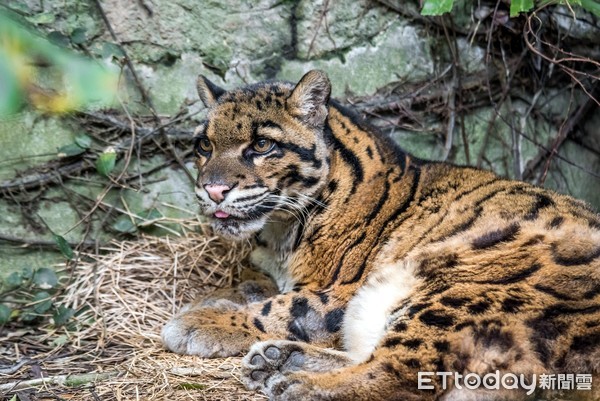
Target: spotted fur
[{"x": 399, "y": 264}]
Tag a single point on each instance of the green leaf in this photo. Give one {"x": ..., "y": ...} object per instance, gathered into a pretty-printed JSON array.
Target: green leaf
[
  {"x": 11, "y": 93},
  {"x": 78, "y": 36},
  {"x": 22, "y": 7},
  {"x": 106, "y": 162},
  {"x": 42, "y": 18},
  {"x": 123, "y": 224},
  {"x": 58, "y": 38},
  {"x": 520, "y": 6},
  {"x": 110, "y": 50},
  {"x": 62, "y": 314},
  {"x": 70, "y": 150},
  {"x": 592, "y": 6},
  {"x": 14, "y": 280},
  {"x": 5, "y": 313},
  {"x": 60, "y": 340},
  {"x": 45, "y": 278},
  {"x": 436, "y": 7},
  {"x": 27, "y": 273},
  {"x": 150, "y": 216},
  {"x": 43, "y": 302},
  {"x": 63, "y": 246},
  {"x": 83, "y": 141},
  {"x": 28, "y": 316}
]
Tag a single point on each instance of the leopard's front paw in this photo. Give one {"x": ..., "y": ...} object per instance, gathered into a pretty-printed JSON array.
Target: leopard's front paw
[
  {"x": 264, "y": 366},
  {"x": 190, "y": 334}
]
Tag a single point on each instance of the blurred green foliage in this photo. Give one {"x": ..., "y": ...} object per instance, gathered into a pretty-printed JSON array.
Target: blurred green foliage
[
  {"x": 438, "y": 7},
  {"x": 50, "y": 77}
]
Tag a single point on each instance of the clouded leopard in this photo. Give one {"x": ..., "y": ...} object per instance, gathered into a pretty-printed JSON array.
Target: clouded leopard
[{"x": 381, "y": 265}]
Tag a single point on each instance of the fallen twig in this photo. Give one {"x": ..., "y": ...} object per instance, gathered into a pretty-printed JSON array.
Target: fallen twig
[
  {"x": 42, "y": 242},
  {"x": 222, "y": 373},
  {"x": 61, "y": 380},
  {"x": 14, "y": 368}
]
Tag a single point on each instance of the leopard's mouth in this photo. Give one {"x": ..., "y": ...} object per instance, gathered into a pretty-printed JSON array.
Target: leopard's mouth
[
  {"x": 231, "y": 215},
  {"x": 219, "y": 214},
  {"x": 236, "y": 226},
  {"x": 223, "y": 217}
]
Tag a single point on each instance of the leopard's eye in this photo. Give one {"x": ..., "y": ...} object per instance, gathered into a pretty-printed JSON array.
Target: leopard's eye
[
  {"x": 205, "y": 145},
  {"x": 262, "y": 145}
]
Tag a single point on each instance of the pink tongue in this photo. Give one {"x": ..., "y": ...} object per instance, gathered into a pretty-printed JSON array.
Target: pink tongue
[{"x": 219, "y": 214}]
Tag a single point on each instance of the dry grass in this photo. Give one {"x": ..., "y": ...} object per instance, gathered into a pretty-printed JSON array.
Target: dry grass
[{"x": 128, "y": 293}]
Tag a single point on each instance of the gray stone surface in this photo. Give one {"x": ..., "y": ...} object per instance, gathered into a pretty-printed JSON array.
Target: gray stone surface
[
  {"x": 333, "y": 26},
  {"x": 575, "y": 179},
  {"x": 174, "y": 87},
  {"x": 401, "y": 54},
  {"x": 220, "y": 31},
  {"x": 500, "y": 148},
  {"x": 29, "y": 139},
  {"x": 584, "y": 27},
  {"x": 16, "y": 259}
]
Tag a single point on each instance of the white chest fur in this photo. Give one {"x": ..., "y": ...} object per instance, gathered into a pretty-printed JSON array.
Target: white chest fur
[{"x": 369, "y": 310}]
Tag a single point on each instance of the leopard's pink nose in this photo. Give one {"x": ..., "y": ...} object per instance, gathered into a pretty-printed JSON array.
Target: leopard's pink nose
[{"x": 217, "y": 192}]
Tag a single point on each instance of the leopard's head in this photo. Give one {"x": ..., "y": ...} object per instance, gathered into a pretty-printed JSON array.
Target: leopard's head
[{"x": 262, "y": 152}]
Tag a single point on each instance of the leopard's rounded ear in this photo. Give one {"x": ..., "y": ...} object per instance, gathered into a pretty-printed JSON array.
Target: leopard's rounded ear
[
  {"x": 310, "y": 97},
  {"x": 209, "y": 92}
]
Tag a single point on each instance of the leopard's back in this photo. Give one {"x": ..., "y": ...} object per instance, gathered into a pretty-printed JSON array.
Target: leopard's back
[{"x": 517, "y": 249}]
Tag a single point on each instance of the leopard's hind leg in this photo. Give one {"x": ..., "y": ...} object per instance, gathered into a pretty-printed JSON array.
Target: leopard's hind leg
[
  {"x": 287, "y": 370},
  {"x": 428, "y": 337}
]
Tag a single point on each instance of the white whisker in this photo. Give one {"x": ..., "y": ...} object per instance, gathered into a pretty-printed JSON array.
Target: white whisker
[{"x": 297, "y": 210}]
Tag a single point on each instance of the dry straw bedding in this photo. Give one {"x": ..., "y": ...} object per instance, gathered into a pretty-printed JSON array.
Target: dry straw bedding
[{"x": 130, "y": 290}]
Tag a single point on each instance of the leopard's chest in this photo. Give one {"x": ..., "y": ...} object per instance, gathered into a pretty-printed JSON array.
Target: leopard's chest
[
  {"x": 274, "y": 252},
  {"x": 370, "y": 310}
]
